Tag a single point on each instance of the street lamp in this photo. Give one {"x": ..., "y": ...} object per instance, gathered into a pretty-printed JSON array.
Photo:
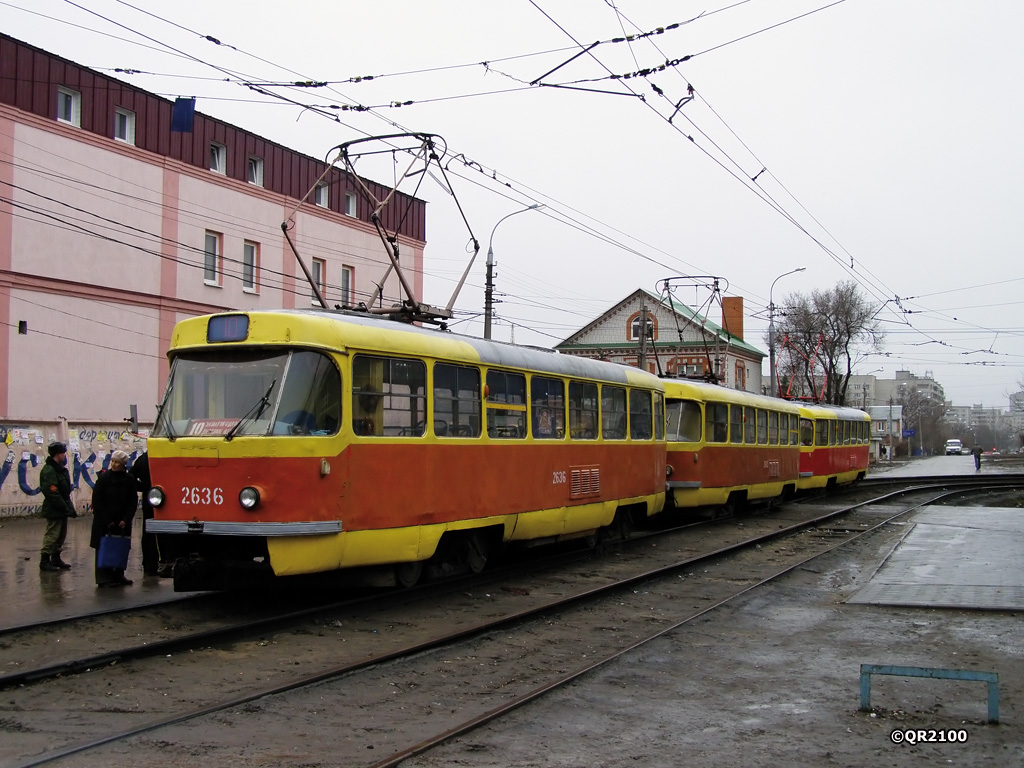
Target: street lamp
[
  {"x": 489, "y": 285},
  {"x": 771, "y": 330}
]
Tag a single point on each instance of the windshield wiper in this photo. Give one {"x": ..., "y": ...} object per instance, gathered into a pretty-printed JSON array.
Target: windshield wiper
[
  {"x": 259, "y": 406},
  {"x": 161, "y": 414}
]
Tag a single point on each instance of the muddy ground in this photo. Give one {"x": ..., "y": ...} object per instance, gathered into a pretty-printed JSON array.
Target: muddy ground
[{"x": 774, "y": 680}]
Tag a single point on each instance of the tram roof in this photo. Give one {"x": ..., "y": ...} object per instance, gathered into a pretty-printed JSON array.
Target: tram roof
[
  {"x": 343, "y": 329},
  {"x": 717, "y": 393}
]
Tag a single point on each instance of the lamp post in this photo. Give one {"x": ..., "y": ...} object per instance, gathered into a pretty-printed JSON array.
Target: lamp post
[
  {"x": 489, "y": 284},
  {"x": 771, "y": 331}
]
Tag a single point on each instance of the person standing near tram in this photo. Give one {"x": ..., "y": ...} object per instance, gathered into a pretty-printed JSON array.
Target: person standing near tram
[
  {"x": 115, "y": 499},
  {"x": 55, "y": 484}
]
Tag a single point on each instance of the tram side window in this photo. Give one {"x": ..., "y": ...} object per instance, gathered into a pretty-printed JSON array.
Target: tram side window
[
  {"x": 735, "y": 423},
  {"x": 456, "y": 401},
  {"x": 640, "y": 414},
  {"x": 716, "y": 422},
  {"x": 749, "y": 425},
  {"x": 773, "y": 428},
  {"x": 613, "y": 413},
  {"x": 583, "y": 410},
  {"x": 794, "y": 429},
  {"x": 311, "y": 398},
  {"x": 388, "y": 396},
  {"x": 806, "y": 432},
  {"x": 684, "y": 421},
  {"x": 506, "y": 405},
  {"x": 846, "y": 433},
  {"x": 762, "y": 427},
  {"x": 821, "y": 432},
  {"x": 547, "y": 408},
  {"x": 833, "y": 433}
]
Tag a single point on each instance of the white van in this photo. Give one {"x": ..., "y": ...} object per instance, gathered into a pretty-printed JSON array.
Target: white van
[{"x": 954, "y": 447}]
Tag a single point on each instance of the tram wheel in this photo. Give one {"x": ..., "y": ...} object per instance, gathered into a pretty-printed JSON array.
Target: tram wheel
[
  {"x": 407, "y": 575},
  {"x": 476, "y": 553}
]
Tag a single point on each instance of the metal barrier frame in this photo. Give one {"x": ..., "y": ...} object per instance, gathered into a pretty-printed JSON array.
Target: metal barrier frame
[{"x": 990, "y": 678}]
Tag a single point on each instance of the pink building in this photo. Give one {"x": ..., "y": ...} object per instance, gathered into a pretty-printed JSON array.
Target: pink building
[{"x": 113, "y": 227}]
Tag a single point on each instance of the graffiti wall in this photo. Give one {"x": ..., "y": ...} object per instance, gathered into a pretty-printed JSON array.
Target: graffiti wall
[{"x": 89, "y": 448}]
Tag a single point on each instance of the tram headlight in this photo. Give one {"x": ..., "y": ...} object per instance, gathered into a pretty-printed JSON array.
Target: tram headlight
[
  {"x": 155, "y": 496},
  {"x": 249, "y": 497}
]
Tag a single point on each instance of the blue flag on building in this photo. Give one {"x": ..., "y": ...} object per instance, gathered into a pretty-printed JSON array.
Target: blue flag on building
[{"x": 183, "y": 115}]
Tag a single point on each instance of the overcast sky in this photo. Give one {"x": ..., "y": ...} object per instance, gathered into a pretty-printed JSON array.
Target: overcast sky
[{"x": 884, "y": 135}]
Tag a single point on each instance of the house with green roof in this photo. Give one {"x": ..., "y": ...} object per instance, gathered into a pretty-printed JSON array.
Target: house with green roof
[{"x": 679, "y": 340}]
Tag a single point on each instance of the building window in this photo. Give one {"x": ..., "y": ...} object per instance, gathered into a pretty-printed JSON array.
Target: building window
[
  {"x": 320, "y": 195},
  {"x": 634, "y": 327},
  {"x": 218, "y": 158},
  {"x": 256, "y": 171},
  {"x": 124, "y": 125},
  {"x": 250, "y": 266},
  {"x": 212, "y": 266},
  {"x": 346, "y": 286},
  {"x": 350, "y": 204},
  {"x": 69, "y": 106},
  {"x": 319, "y": 272}
]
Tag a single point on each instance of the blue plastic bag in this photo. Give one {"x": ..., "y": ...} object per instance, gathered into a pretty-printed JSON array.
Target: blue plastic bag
[{"x": 113, "y": 552}]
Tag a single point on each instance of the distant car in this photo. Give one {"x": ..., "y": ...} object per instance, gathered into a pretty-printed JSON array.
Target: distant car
[
  {"x": 954, "y": 447},
  {"x": 965, "y": 451}
]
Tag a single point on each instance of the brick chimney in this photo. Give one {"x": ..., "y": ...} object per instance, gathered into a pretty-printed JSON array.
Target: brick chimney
[{"x": 732, "y": 315}]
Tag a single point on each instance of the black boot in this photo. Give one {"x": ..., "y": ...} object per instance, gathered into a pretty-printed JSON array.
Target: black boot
[
  {"x": 55, "y": 560},
  {"x": 46, "y": 565}
]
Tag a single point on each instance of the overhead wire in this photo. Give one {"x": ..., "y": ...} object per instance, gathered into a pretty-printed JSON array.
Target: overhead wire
[{"x": 186, "y": 55}]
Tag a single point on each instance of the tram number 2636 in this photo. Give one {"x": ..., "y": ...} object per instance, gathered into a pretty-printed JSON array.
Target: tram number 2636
[{"x": 197, "y": 495}]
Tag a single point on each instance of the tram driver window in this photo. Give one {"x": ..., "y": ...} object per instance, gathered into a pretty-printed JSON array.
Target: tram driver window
[
  {"x": 388, "y": 397},
  {"x": 684, "y": 421},
  {"x": 311, "y": 397},
  {"x": 806, "y": 432}
]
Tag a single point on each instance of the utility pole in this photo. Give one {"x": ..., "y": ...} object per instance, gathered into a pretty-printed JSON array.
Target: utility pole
[
  {"x": 489, "y": 284},
  {"x": 771, "y": 331},
  {"x": 889, "y": 452}
]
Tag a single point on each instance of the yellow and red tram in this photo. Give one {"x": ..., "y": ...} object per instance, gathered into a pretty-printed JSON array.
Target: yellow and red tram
[
  {"x": 834, "y": 446},
  {"x": 728, "y": 447},
  {"x": 301, "y": 441}
]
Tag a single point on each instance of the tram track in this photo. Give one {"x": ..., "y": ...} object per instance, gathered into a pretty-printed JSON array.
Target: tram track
[
  {"x": 170, "y": 627},
  {"x": 370, "y": 659}
]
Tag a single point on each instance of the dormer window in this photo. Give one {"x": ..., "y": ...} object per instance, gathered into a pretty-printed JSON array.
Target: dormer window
[
  {"x": 69, "y": 106},
  {"x": 218, "y": 158}
]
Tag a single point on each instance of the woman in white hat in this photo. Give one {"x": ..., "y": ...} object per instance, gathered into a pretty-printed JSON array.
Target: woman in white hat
[{"x": 115, "y": 499}]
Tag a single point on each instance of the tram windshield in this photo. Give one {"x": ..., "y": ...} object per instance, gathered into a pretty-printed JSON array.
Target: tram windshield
[
  {"x": 684, "y": 421},
  {"x": 233, "y": 393}
]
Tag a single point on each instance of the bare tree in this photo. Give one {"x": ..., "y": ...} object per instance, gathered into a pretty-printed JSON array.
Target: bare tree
[
  {"x": 822, "y": 336},
  {"x": 923, "y": 414}
]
